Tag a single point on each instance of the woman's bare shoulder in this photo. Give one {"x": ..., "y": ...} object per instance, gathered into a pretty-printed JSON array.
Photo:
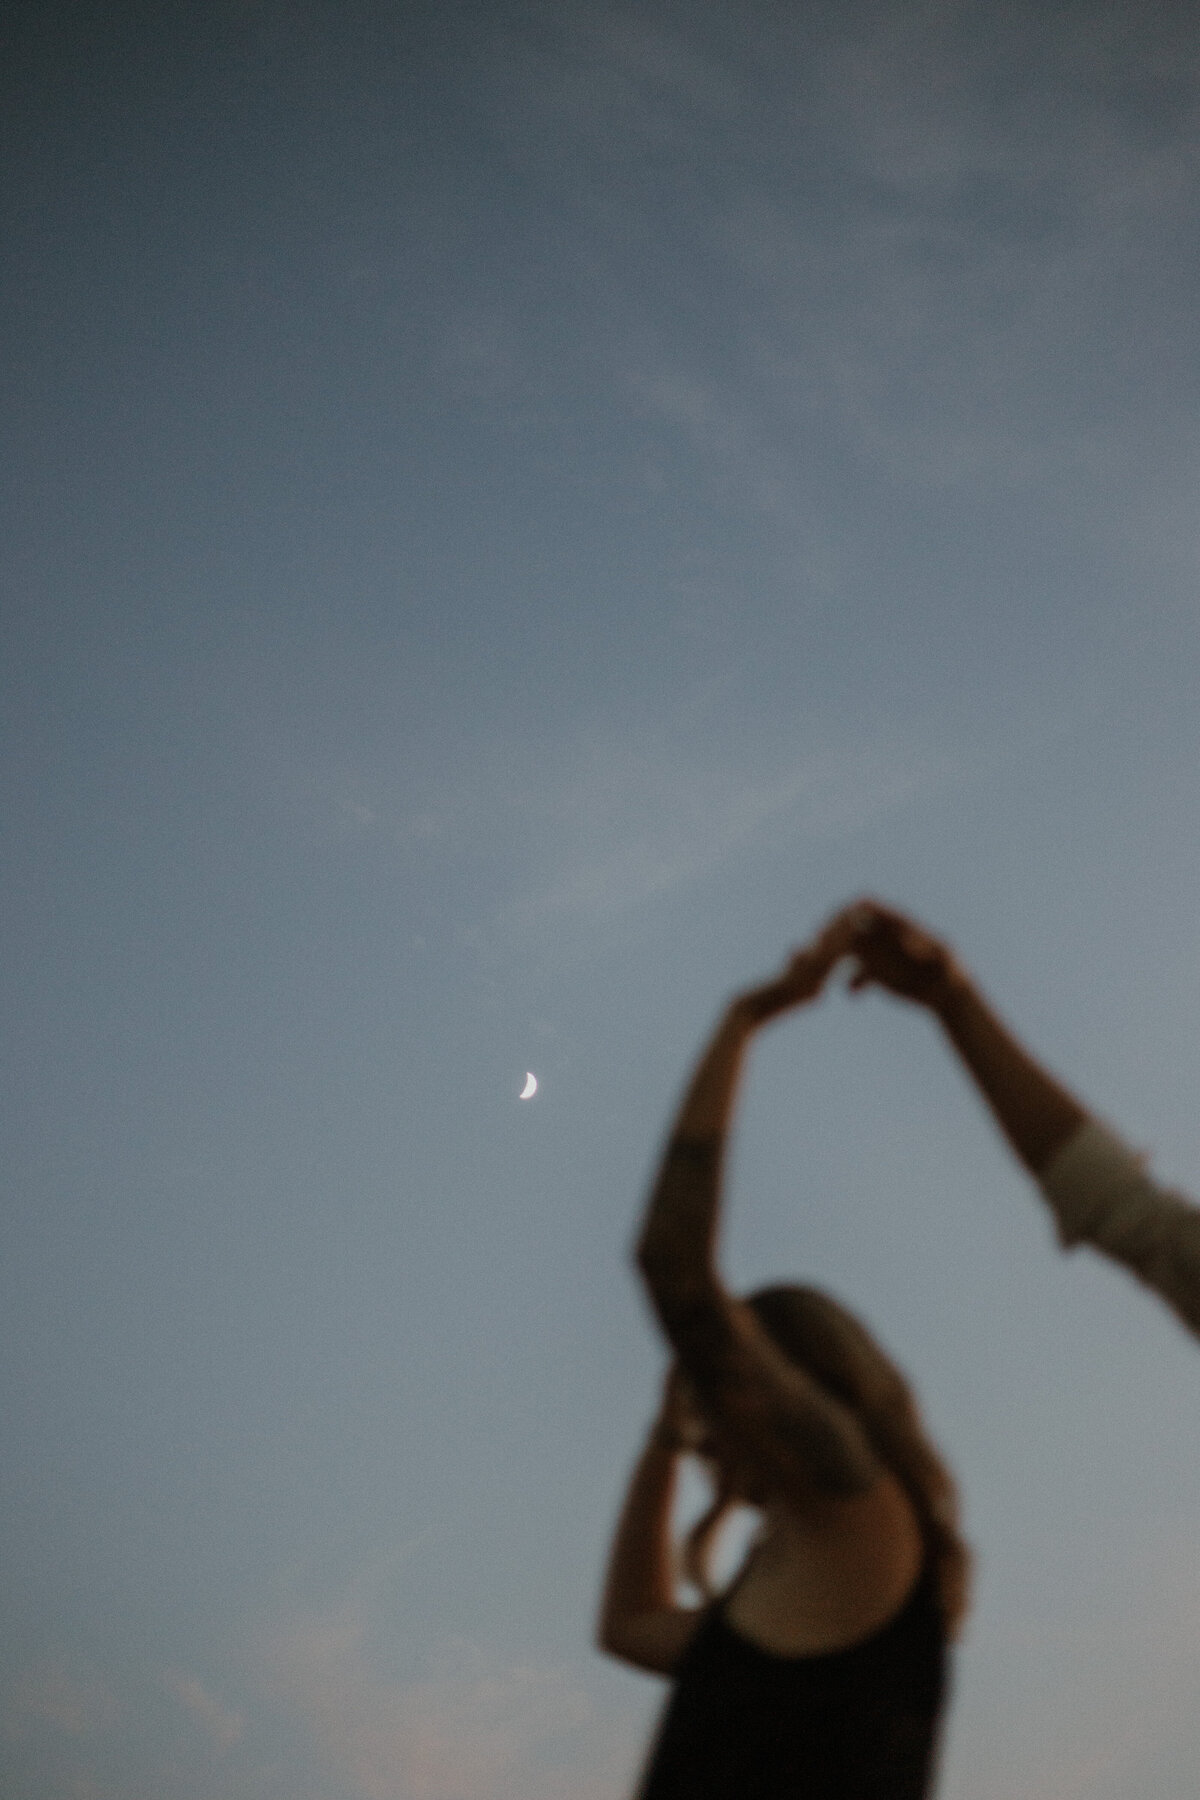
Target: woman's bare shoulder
[{"x": 824, "y": 1576}]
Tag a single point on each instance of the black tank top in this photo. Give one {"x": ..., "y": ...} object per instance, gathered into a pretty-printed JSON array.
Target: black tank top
[{"x": 853, "y": 1724}]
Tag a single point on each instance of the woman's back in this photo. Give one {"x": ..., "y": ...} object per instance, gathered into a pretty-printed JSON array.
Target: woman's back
[
  {"x": 827, "y": 1572},
  {"x": 858, "y": 1723}
]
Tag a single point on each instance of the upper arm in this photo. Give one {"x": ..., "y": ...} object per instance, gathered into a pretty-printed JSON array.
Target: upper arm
[{"x": 773, "y": 1412}]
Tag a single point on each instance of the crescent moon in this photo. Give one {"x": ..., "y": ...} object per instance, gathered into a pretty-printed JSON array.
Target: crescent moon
[{"x": 530, "y": 1088}]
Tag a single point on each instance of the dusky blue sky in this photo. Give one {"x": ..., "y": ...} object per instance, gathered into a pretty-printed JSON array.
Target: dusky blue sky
[{"x": 513, "y": 513}]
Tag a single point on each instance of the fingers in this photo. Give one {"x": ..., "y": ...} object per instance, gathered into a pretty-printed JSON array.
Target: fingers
[
  {"x": 872, "y": 922},
  {"x": 850, "y": 923},
  {"x": 869, "y": 914},
  {"x": 858, "y": 914},
  {"x": 846, "y": 934},
  {"x": 888, "y": 950},
  {"x": 835, "y": 940}
]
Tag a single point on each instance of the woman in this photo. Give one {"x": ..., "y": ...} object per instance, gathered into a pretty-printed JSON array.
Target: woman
[{"x": 820, "y": 1673}]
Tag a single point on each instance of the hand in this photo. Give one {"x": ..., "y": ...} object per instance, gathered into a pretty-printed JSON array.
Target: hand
[
  {"x": 804, "y": 974},
  {"x": 896, "y": 953}
]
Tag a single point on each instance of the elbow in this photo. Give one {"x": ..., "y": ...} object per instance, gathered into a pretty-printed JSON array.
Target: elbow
[
  {"x": 610, "y": 1639},
  {"x": 652, "y": 1641},
  {"x": 658, "y": 1265},
  {"x": 625, "y": 1646},
  {"x": 649, "y": 1260},
  {"x": 668, "y": 1268}
]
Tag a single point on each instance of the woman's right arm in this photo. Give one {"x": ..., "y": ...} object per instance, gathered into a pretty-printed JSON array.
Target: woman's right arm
[{"x": 772, "y": 1414}]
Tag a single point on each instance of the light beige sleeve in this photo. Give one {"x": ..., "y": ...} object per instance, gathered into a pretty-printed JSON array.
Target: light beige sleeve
[{"x": 1101, "y": 1194}]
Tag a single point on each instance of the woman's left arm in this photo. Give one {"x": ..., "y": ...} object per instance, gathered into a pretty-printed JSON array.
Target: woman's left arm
[
  {"x": 775, "y": 1413},
  {"x": 641, "y": 1621}
]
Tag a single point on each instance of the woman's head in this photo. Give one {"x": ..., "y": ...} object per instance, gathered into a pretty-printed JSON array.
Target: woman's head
[{"x": 830, "y": 1344}]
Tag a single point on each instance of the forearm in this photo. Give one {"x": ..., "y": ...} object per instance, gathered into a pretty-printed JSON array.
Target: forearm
[
  {"x": 677, "y": 1246},
  {"x": 640, "y": 1577},
  {"x": 1035, "y": 1112},
  {"x": 708, "y": 1102},
  {"x": 1099, "y": 1190}
]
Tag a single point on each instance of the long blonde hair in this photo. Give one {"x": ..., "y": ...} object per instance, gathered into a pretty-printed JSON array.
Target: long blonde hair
[{"x": 818, "y": 1334}]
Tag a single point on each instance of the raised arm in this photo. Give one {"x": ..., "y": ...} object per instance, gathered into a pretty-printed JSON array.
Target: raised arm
[
  {"x": 770, "y": 1412},
  {"x": 640, "y": 1619},
  {"x": 1099, "y": 1190},
  {"x": 1036, "y": 1113}
]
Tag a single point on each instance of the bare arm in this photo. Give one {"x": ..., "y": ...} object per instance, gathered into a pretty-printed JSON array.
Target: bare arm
[
  {"x": 640, "y": 1619},
  {"x": 771, "y": 1412},
  {"x": 1036, "y": 1113},
  {"x": 1100, "y": 1191}
]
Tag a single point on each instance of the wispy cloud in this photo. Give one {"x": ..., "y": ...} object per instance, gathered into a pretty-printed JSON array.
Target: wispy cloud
[
  {"x": 473, "y": 1727},
  {"x": 930, "y": 233},
  {"x": 77, "y": 1704},
  {"x": 612, "y": 79},
  {"x": 625, "y": 813},
  {"x": 641, "y": 820},
  {"x": 222, "y": 1725},
  {"x": 1102, "y": 1729}
]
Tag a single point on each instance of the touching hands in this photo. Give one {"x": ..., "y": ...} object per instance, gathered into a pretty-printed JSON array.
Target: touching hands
[
  {"x": 888, "y": 950},
  {"x": 804, "y": 974},
  {"x": 894, "y": 952}
]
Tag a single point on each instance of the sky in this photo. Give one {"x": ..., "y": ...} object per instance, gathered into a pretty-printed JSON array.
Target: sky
[{"x": 513, "y": 513}]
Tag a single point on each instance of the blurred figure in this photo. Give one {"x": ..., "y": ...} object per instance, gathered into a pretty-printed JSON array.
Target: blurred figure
[
  {"x": 821, "y": 1670},
  {"x": 1098, "y": 1189}
]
